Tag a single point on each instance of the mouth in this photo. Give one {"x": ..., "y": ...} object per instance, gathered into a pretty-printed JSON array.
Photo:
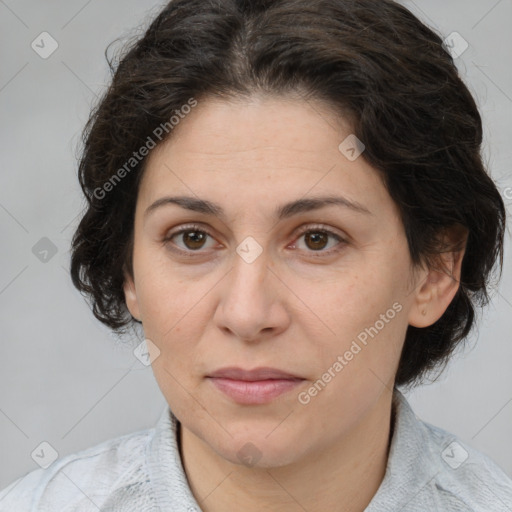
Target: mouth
[{"x": 253, "y": 387}]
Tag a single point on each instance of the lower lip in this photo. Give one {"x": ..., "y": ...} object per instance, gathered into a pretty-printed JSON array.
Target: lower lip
[{"x": 254, "y": 392}]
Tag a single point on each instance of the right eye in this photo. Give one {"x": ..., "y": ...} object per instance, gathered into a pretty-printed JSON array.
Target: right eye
[{"x": 192, "y": 238}]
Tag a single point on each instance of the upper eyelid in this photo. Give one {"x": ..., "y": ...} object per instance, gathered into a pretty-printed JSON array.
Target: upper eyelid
[{"x": 301, "y": 229}]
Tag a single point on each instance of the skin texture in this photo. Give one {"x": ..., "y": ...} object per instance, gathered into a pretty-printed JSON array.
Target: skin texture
[{"x": 295, "y": 307}]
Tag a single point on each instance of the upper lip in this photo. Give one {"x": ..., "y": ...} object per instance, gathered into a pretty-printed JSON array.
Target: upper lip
[{"x": 262, "y": 373}]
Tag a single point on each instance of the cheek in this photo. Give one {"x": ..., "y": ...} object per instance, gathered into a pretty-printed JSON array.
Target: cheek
[
  {"x": 165, "y": 298},
  {"x": 174, "y": 319},
  {"x": 349, "y": 301},
  {"x": 176, "y": 310},
  {"x": 365, "y": 312}
]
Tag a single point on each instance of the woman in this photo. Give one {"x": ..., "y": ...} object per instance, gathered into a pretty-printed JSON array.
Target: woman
[{"x": 289, "y": 196}]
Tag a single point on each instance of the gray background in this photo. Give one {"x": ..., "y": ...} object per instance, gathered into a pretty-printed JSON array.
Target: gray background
[{"x": 63, "y": 377}]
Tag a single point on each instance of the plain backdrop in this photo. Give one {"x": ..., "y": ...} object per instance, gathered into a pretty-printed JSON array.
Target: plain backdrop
[{"x": 63, "y": 377}]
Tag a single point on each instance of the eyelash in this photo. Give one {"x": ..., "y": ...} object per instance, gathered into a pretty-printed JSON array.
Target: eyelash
[{"x": 309, "y": 229}]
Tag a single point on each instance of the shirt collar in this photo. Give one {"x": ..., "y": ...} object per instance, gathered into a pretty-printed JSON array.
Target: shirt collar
[
  {"x": 170, "y": 484},
  {"x": 410, "y": 467},
  {"x": 411, "y": 464}
]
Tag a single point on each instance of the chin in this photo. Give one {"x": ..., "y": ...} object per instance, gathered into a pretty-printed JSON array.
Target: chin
[{"x": 257, "y": 449}]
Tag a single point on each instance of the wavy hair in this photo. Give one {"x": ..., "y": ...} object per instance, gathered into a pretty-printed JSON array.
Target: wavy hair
[{"x": 372, "y": 59}]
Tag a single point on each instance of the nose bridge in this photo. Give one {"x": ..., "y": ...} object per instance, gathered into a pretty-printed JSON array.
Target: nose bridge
[
  {"x": 249, "y": 283},
  {"x": 249, "y": 263},
  {"x": 249, "y": 303}
]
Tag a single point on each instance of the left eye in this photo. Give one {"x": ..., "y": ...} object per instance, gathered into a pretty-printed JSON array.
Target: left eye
[{"x": 318, "y": 240}]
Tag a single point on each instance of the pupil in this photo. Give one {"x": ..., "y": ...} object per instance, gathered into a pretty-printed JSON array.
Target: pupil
[{"x": 319, "y": 240}]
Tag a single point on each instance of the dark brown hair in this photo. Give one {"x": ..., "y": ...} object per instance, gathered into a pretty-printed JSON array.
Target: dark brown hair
[{"x": 371, "y": 58}]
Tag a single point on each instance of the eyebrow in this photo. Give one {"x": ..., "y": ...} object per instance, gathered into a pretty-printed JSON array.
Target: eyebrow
[{"x": 282, "y": 212}]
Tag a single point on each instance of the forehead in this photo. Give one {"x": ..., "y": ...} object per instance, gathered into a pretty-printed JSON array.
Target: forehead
[
  {"x": 218, "y": 127},
  {"x": 265, "y": 147}
]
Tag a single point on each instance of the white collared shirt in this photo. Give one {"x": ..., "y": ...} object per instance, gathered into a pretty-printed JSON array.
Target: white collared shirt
[{"x": 428, "y": 470}]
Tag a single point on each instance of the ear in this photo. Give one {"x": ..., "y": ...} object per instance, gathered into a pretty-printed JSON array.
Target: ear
[
  {"x": 130, "y": 296},
  {"x": 441, "y": 282}
]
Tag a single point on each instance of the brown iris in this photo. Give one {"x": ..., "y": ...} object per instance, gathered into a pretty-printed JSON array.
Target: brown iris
[
  {"x": 318, "y": 240},
  {"x": 194, "y": 239}
]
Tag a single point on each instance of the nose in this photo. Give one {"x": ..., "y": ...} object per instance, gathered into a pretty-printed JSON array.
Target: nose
[{"x": 252, "y": 306}]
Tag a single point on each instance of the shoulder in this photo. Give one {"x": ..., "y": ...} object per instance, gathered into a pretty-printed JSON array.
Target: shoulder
[
  {"x": 465, "y": 478},
  {"x": 82, "y": 479},
  {"x": 431, "y": 469}
]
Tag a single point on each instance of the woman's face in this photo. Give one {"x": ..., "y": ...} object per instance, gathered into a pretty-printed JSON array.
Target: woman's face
[{"x": 254, "y": 269}]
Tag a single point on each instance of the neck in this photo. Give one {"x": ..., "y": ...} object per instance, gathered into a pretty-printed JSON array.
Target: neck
[{"x": 343, "y": 478}]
